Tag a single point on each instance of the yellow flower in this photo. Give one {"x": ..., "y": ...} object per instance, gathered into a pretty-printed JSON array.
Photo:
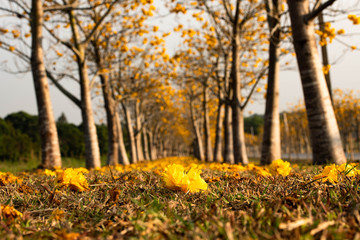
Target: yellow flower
[
  {"x": 330, "y": 174},
  {"x": 349, "y": 169},
  {"x": 196, "y": 182},
  {"x": 261, "y": 171},
  {"x": 280, "y": 167},
  {"x": 176, "y": 178},
  {"x": 73, "y": 178},
  {"x": 48, "y": 172},
  {"x": 10, "y": 212}
]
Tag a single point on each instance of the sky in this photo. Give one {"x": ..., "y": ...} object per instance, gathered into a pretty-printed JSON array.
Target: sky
[{"x": 17, "y": 90}]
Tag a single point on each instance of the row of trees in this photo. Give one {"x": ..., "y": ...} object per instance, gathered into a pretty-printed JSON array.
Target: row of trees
[{"x": 196, "y": 97}]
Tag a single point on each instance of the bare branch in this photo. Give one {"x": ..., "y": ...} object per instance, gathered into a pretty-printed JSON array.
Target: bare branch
[
  {"x": 19, "y": 15},
  {"x": 68, "y": 7},
  {"x": 252, "y": 89},
  {"x": 313, "y": 14},
  {"x": 62, "y": 89},
  {"x": 67, "y": 44}
]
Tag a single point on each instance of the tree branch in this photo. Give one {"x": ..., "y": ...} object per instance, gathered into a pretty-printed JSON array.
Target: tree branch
[
  {"x": 252, "y": 89},
  {"x": 67, "y": 44},
  {"x": 62, "y": 89},
  {"x": 92, "y": 33},
  {"x": 313, "y": 14}
]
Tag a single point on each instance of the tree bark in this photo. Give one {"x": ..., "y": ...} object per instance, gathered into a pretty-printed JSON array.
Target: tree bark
[
  {"x": 92, "y": 152},
  {"x": 123, "y": 157},
  {"x": 130, "y": 133},
  {"x": 110, "y": 109},
  {"x": 152, "y": 145},
  {"x": 324, "y": 131},
  {"x": 139, "y": 148},
  {"x": 50, "y": 150},
  {"x": 113, "y": 138},
  {"x": 146, "y": 143},
  {"x": 198, "y": 140},
  {"x": 228, "y": 137},
  {"x": 325, "y": 58},
  {"x": 240, "y": 155},
  {"x": 239, "y": 149},
  {"x": 271, "y": 146},
  {"x": 219, "y": 128},
  {"x": 208, "y": 147}
]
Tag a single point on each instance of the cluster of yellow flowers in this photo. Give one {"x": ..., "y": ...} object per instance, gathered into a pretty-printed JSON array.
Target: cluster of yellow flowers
[
  {"x": 328, "y": 33},
  {"x": 355, "y": 19},
  {"x": 177, "y": 178},
  {"x": 332, "y": 172},
  {"x": 6, "y": 178}
]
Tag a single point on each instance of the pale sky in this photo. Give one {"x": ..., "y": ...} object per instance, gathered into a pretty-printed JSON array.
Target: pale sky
[{"x": 17, "y": 91}]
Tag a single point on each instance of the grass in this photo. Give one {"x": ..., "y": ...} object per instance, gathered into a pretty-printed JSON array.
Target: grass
[{"x": 136, "y": 205}]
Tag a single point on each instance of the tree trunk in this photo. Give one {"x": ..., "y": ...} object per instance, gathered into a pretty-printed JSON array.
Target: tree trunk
[
  {"x": 240, "y": 155},
  {"x": 110, "y": 109},
  {"x": 113, "y": 138},
  {"x": 131, "y": 134},
  {"x": 152, "y": 146},
  {"x": 50, "y": 151},
  {"x": 198, "y": 140},
  {"x": 271, "y": 146},
  {"x": 92, "y": 152},
  {"x": 325, "y": 57},
  {"x": 325, "y": 136},
  {"x": 219, "y": 128},
  {"x": 139, "y": 148},
  {"x": 208, "y": 147},
  {"x": 228, "y": 137},
  {"x": 123, "y": 157},
  {"x": 146, "y": 144}
]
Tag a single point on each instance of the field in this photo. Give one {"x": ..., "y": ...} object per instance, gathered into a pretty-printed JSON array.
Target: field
[{"x": 148, "y": 201}]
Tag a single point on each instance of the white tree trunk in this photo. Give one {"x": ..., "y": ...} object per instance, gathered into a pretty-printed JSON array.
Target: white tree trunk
[
  {"x": 325, "y": 136},
  {"x": 50, "y": 151}
]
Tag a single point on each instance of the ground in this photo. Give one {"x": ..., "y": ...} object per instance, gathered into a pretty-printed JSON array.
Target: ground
[{"x": 135, "y": 202}]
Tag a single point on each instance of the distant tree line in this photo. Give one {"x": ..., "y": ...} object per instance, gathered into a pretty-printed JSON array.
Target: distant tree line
[{"x": 20, "y": 139}]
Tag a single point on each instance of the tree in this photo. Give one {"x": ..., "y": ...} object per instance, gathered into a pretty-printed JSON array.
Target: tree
[
  {"x": 325, "y": 137},
  {"x": 50, "y": 150},
  {"x": 271, "y": 146},
  {"x": 49, "y": 140}
]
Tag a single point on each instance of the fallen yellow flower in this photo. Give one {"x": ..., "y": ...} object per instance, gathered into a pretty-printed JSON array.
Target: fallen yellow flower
[
  {"x": 176, "y": 178},
  {"x": 73, "y": 178},
  {"x": 9, "y": 212},
  {"x": 330, "y": 173},
  {"x": 349, "y": 169},
  {"x": 280, "y": 167},
  {"x": 48, "y": 172}
]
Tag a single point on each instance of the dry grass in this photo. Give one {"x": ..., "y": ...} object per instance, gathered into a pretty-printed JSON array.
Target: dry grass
[{"x": 136, "y": 205}]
